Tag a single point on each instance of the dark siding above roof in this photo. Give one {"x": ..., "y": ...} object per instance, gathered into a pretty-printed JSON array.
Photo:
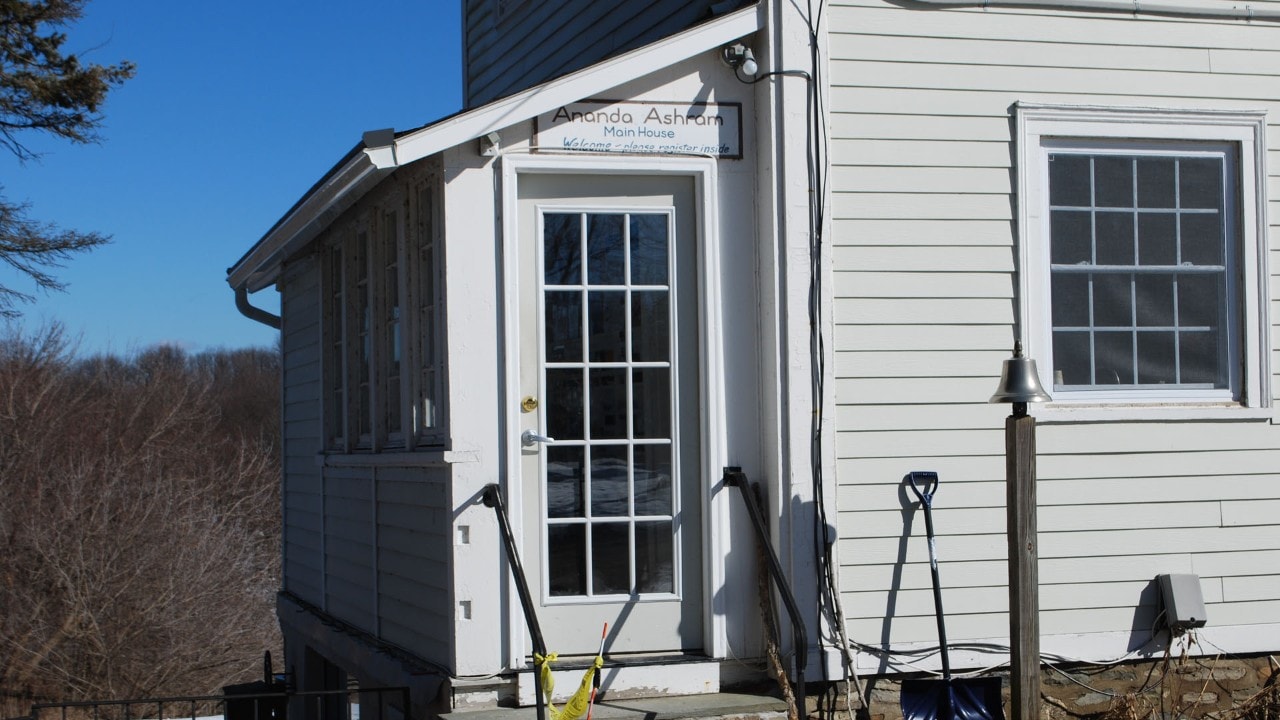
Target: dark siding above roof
[{"x": 511, "y": 45}]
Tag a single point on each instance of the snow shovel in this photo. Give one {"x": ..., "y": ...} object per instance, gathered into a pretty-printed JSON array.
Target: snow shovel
[{"x": 948, "y": 698}]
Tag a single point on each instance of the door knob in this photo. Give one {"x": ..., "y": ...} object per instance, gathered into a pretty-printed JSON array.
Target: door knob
[{"x": 530, "y": 438}]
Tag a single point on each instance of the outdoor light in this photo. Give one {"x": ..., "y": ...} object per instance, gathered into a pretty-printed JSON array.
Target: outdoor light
[
  {"x": 1020, "y": 384},
  {"x": 740, "y": 57}
]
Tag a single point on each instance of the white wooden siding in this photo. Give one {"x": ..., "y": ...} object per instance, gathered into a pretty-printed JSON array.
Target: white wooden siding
[
  {"x": 303, "y": 566},
  {"x": 924, "y": 263}
]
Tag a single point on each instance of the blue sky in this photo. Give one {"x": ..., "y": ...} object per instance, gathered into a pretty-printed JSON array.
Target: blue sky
[{"x": 237, "y": 108}]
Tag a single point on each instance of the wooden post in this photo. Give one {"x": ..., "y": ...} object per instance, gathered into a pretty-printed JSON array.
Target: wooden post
[{"x": 1024, "y": 578}]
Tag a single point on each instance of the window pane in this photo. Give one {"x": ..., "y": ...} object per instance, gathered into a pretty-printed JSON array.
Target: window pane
[
  {"x": 607, "y": 323},
  {"x": 1071, "y": 359},
  {"x": 1200, "y": 182},
  {"x": 1070, "y": 299},
  {"x": 649, "y": 249},
  {"x": 608, "y": 403},
  {"x": 567, "y": 559},
  {"x": 655, "y": 559},
  {"x": 1154, "y": 294},
  {"x": 653, "y": 480},
  {"x": 1199, "y": 300},
  {"x": 564, "y": 481},
  {"x": 652, "y": 397},
  {"x": 564, "y": 404},
  {"x": 1200, "y": 357},
  {"x": 1115, "y": 238},
  {"x": 1155, "y": 358},
  {"x": 1157, "y": 239},
  {"x": 1112, "y": 300},
  {"x": 609, "y": 486},
  {"x": 1113, "y": 178},
  {"x": 563, "y": 311},
  {"x": 1071, "y": 237},
  {"x": 610, "y": 559},
  {"x": 562, "y": 248},
  {"x": 650, "y": 326},
  {"x": 1155, "y": 183},
  {"x": 605, "y": 250},
  {"x": 1115, "y": 358},
  {"x": 1202, "y": 239},
  {"x": 1069, "y": 180}
]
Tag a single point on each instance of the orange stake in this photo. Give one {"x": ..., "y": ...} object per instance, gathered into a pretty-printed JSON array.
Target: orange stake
[{"x": 596, "y": 685}]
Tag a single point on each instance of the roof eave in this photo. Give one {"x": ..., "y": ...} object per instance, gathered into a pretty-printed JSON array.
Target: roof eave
[{"x": 361, "y": 170}]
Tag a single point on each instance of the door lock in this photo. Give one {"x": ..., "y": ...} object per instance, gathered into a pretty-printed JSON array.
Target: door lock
[{"x": 529, "y": 404}]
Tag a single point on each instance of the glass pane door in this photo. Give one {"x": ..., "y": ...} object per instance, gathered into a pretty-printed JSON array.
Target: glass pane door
[{"x": 611, "y": 489}]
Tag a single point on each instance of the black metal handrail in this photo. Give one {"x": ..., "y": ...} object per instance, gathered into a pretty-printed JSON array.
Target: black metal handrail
[
  {"x": 733, "y": 476},
  {"x": 492, "y": 497}
]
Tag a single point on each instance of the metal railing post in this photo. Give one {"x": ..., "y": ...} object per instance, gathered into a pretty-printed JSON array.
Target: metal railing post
[
  {"x": 734, "y": 476},
  {"x": 493, "y": 498}
]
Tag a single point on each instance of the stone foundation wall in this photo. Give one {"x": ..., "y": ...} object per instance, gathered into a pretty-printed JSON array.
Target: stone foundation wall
[{"x": 1219, "y": 688}]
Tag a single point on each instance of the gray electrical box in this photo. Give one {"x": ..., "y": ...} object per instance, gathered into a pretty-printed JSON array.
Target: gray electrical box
[{"x": 1183, "y": 602}]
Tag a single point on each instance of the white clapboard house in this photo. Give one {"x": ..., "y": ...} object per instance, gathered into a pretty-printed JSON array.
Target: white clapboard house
[{"x": 665, "y": 238}]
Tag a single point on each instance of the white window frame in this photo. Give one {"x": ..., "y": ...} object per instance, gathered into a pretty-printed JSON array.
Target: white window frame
[{"x": 1042, "y": 129}]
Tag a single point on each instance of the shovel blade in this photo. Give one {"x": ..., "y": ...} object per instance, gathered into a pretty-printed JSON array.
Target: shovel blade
[{"x": 967, "y": 699}]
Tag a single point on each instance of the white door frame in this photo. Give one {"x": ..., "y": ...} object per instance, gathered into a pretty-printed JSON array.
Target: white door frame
[{"x": 715, "y": 536}]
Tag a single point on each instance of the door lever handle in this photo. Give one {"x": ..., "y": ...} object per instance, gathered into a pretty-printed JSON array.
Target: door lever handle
[{"x": 530, "y": 438}]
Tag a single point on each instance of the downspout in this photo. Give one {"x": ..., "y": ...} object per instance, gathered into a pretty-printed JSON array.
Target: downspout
[
  {"x": 1247, "y": 12},
  {"x": 254, "y": 313}
]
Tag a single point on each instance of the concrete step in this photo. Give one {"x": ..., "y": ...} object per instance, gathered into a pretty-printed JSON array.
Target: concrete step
[{"x": 716, "y": 705}]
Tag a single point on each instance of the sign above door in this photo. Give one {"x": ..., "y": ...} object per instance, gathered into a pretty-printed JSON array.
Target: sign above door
[{"x": 644, "y": 127}]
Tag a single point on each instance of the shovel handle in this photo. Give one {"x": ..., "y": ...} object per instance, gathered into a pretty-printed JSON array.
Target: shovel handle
[{"x": 924, "y": 484}]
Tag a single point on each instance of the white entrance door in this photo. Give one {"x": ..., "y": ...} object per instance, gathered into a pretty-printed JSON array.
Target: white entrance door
[{"x": 609, "y": 380}]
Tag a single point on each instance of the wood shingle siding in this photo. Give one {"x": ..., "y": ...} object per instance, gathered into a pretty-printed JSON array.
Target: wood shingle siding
[{"x": 924, "y": 271}]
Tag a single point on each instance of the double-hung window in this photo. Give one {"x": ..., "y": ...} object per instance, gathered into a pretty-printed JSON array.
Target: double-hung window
[{"x": 1144, "y": 256}]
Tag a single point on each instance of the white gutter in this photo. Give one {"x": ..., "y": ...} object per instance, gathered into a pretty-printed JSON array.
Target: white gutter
[
  {"x": 382, "y": 153},
  {"x": 320, "y": 206},
  {"x": 1236, "y": 12}
]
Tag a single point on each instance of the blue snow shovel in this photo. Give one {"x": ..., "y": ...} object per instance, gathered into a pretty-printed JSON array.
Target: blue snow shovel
[{"x": 949, "y": 698}]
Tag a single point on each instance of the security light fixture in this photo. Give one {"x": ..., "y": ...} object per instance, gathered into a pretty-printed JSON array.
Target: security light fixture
[{"x": 740, "y": 58}]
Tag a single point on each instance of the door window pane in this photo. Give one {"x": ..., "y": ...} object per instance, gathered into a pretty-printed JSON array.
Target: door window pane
[
  {"x": 655, "y": 559},
  {"x": 610, "y": 558},
  {"x": 564, "y": 404},
  {"x": 605, "y": 250},
  {"x": 563, "y": 326},
  {"x": 607, "y": 325},
  {"x": 564, "y": 481},
  {"x": 610, "y": 485},
  {"x": 562, "y": 248},
  {"x": 567, "y": 559}
]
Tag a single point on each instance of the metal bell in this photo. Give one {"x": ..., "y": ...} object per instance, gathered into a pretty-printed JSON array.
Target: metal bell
[{"x": 1019, "y": 381}]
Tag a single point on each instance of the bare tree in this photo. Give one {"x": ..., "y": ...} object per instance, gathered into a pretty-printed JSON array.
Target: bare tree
[{"x": 141, "y": 526}]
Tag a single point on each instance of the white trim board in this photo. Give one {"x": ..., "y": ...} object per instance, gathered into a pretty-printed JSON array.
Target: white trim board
[{"x": 703, "y": 171}]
